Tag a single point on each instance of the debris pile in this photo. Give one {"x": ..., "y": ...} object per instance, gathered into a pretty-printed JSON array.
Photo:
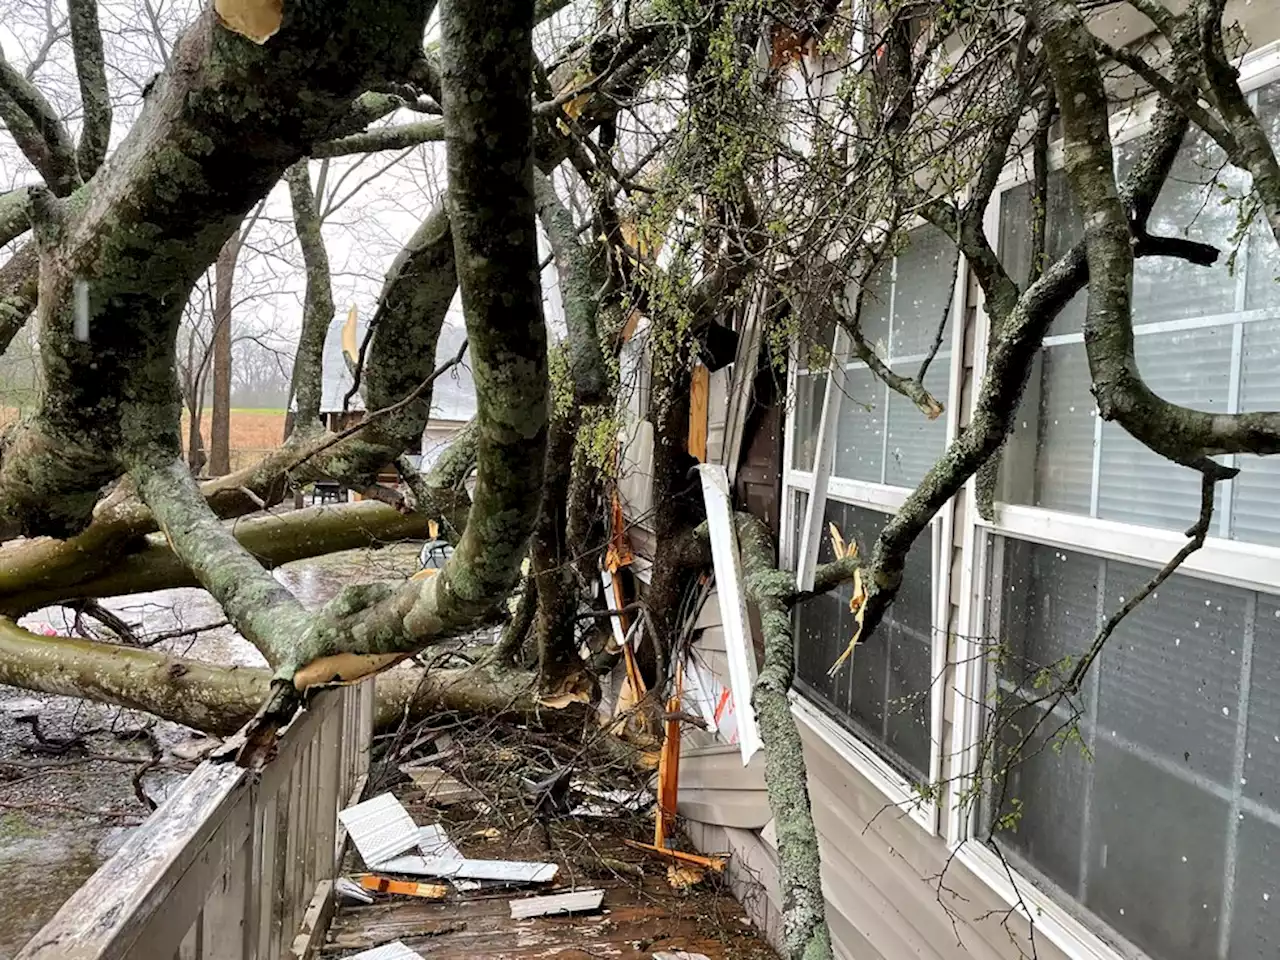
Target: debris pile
[{"x": 494, "y": 841}]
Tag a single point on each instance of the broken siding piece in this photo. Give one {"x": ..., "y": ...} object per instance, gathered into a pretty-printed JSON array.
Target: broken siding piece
[
  {"x": 437, "y": 786},
  {"x": 739, "y": 650},
  {"x": 448, "y": 868},
  {"x": 380, "y": 828},
  {"x": 434, "y": 842},
  {"x": 583, "y": 901},
  {"x": 345, "y": 887},
  {"x": 388, "y": 951}
]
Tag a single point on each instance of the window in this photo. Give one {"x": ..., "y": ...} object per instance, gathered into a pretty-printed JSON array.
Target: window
[
  {"x": 1153, "y": 798},
  {"x": 882, "y": 692},
  {"x": 881, "y": 708},
  {"x": 1206, "y": 337},
  {"x": 1144, "y": 811},
  {"x": 881, "y": 436}
]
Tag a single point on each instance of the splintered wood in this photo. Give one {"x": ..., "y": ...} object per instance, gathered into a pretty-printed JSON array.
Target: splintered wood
[{"x": 406, "y": 888}]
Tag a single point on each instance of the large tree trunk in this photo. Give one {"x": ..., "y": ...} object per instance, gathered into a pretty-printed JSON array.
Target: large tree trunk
[{"x": 220, "y": 700}]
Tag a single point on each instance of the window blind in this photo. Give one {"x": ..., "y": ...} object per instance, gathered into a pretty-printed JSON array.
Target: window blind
[
  {"x": 882, "y": 692},
  {"x": 1162, "y": 816}
]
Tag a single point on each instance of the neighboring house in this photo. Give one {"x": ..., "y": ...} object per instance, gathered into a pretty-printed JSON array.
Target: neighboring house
[
  {"x": 453, "y": 398},
  {"x": 1164, "y": 841}
]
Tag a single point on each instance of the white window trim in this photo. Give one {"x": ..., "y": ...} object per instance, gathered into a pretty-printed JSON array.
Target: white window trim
[
  {"x": 1233, "y": 562},
  {"x": 1050, "y": 920},
  {"x": 860, "y": 754},
  {"x": 868, "y": 763}
]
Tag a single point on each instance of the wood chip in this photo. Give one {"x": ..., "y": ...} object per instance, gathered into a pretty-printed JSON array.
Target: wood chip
[
  {"x": 682, "y": 876},
  {"x": 583, "y": 901}
]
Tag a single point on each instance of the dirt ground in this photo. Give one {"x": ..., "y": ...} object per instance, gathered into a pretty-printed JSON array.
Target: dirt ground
[{"x": 72, "y": 773}]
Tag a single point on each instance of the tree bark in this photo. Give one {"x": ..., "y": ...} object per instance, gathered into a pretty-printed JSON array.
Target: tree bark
[
  {"x": 95, "y": 97},
  {"x": 272, "y": 540},
  {"x": 805, "y": 932},
  {"x": 221, "y": 700},
  {"x": 219, "y": 127},
  {"x": 317, "y": 304}
]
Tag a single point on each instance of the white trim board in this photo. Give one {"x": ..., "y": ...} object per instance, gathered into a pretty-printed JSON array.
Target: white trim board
[
  {"x": 1029, "y": 901},
  {"x": 869, "y": 764},
  {"x": 739, "y": 650},
  {"x": 1248, "y": 565}
]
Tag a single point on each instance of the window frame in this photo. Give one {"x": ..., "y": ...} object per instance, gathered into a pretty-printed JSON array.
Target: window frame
[
  {"x": 1233, "y": 562},
  {"x": 861, "y": 753}
]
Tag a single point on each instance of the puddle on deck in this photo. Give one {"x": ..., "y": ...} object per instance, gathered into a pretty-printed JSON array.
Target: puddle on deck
[{"x": 51, "y": 841}]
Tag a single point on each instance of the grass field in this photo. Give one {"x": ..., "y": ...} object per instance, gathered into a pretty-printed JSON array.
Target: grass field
[
  {"x": 251, "y": 429},
  {"x": 254, "y": 431}
]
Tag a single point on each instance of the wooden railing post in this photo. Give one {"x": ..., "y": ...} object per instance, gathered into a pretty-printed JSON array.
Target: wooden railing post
[{"x": 230, "y": 866}]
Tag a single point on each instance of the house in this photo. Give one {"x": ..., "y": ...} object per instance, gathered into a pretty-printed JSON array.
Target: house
[
  {"x": 453, "y": 397},
  {"x": 1151, "y": 827}
]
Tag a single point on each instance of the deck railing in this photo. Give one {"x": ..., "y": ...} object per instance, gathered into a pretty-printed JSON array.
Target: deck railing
[{"x": 233, "y": 866}]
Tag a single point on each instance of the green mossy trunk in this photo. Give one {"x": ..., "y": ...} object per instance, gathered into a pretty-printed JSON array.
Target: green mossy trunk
[{"x": 218, "y": 129}]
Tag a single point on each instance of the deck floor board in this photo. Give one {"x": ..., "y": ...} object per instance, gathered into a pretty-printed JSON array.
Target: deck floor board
[{"x": 639, "y": 916}]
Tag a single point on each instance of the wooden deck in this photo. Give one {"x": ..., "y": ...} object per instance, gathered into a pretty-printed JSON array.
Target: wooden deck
[
  {"x": 640, "y": 916},
  {"x": 637, "y": 921}
]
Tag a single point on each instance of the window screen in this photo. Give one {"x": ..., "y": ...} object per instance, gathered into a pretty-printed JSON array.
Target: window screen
[
  {"x": 1206, "y": 338},
  {"x": 881, "y": 436},
  {"x": 1152, "y": 797},
  {"x": 882, "y": 691}
]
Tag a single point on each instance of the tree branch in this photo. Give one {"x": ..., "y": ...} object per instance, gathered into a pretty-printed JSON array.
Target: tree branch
[
  {"x": 220, "y": 700},
  {"x": 91, "y": 70},
  {"x": 221, "y": 124},
  {"x": 395, "y": 137},
  {"x": 271, "y": 540},
  {"x": 15, "y": 214},
  {"x": 317, "y": 309},
  {"x": 805, "y": 932},
  {"x": 1179, "y": 433},
  {"x": 487, "y": 66},
  {"x": 37, "y": 130},
  {"x": 584, "y": 283},
  {"x": 19, "y": 291},
  {"x": 264, "y": 612}
]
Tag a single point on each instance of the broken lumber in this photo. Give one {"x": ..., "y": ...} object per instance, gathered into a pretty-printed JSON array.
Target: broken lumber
[
  {"x": 583, "y": 901},
  {"x": 446, "y": 868},
  {"x": 407, "y": 888}
]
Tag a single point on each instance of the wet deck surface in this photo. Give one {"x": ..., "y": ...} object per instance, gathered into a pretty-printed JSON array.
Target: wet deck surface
[
  {"x": 641, "y": 915},
  {"x": 638, "y": 919}
]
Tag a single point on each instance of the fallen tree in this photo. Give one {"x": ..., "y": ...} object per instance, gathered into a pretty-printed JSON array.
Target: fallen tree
[{"x": 591, "y": 142}]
